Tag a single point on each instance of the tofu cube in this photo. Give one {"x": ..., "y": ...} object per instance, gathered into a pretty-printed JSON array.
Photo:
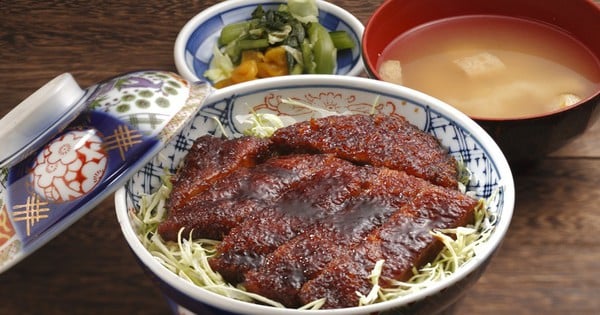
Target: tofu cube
[
  {"x": 568, "y": 99},
  {"x": 480, "y": 64},
  {"x": 391, "y": 71}
]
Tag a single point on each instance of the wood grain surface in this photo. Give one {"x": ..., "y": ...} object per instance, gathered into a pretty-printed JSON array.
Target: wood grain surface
[{"x": 548, "y": 264}]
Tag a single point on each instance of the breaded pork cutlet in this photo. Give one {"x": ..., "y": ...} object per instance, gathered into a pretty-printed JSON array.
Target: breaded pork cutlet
[{"x": 378, "y": 140}]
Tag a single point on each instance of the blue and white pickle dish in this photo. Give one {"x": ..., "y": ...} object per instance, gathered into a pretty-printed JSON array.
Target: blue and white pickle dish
[
  {"x": 224, "y": 111},
  {"x": 65, "y": 149},
  {"x": 195, "y": 42}
]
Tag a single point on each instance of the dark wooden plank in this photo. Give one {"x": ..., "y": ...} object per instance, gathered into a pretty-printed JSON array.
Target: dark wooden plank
[{"x": 547, "y": 265}]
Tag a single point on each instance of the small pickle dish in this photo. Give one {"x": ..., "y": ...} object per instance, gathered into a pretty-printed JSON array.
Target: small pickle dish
[{"x": 211, "y": 45}]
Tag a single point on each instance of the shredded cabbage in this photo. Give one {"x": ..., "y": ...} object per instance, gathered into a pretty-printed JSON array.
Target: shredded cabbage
[
  {"x": 460, "y": 246},
  {"x": 261, "y": 125},
  {"x": 374, "y": 293},
  {"x": 186, "y": 258}
]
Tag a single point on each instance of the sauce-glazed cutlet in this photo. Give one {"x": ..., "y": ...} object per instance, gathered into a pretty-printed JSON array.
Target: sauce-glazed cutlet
[
  {"x": 213, "y": 212},
  {"x": 285, "y": 270},
  {"x": 325, "y": 194},
  {"x": 211, "y": 158},
  {"x": 307, "y": 213},
  {"x": 402, "y": 242},
  {"x": 378, "y": 140}
]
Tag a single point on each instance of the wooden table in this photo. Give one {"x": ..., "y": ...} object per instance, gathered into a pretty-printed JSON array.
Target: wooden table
[{"x": 549, "y": 263}]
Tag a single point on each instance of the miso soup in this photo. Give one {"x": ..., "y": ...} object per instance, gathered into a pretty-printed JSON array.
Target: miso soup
[{"x": 493, "y": 66}]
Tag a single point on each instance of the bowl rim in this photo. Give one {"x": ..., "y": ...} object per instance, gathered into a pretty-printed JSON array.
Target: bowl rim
[
  {"x": 361, "y": 83},
  {"x": 370, "y": 67},
  {"x": 182, "y": 37}
]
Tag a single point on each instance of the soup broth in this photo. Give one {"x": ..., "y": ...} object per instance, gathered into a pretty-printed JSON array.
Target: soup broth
[{"x": 493, "y": 66}]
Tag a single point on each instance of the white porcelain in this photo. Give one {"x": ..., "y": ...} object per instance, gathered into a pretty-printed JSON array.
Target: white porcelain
[
  {"x": 463, "y": 138},
  {"x": 29, "y": 124},
  {"x": 194, "y": 44}
]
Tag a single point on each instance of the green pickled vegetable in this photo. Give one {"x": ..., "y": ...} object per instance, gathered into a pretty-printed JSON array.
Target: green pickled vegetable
[
  {"x": 234, "y": 31},
  {"x": 248, "y": 44},
  {"x": 324, "y": 52},
  {"x": 310, "y": 47},
  {"x": 307, "y": 58},
  {"x": 341, "y": 40}
]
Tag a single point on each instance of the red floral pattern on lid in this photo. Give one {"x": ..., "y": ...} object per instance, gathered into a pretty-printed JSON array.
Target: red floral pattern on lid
[{"x": 70, "y": 166}]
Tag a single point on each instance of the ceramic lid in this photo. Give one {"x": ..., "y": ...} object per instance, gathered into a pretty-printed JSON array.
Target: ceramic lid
[
  {"x": 35, "y": 120},
  {"x": 65, "y": 149}
]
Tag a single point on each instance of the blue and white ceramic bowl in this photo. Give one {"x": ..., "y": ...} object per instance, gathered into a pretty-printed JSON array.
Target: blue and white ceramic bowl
[
  {"x": 194, "y": 44},
  {"x": 343, "y": 94}
]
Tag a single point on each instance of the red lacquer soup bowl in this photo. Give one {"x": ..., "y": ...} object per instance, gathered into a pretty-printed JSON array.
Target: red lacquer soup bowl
[{"x": 525, "y": 138}]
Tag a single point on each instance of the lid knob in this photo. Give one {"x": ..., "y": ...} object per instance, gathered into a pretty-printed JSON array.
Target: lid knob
[{"x": 36, "y": 119}]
